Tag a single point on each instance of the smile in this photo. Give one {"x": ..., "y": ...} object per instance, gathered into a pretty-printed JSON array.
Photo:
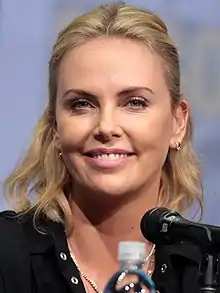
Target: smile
[{"x": 110, "y": 156}]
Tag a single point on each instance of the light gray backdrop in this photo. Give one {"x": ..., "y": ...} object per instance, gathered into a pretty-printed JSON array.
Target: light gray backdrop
[{"x": 27, "y": 30}]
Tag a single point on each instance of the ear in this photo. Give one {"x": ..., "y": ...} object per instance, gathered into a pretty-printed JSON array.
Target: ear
[{"x": 180, "y": 119}]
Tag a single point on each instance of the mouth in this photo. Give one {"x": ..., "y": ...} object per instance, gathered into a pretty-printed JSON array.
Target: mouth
[
  {"x": 111, "y": 156},
  {"x": 108, "y": 159}
]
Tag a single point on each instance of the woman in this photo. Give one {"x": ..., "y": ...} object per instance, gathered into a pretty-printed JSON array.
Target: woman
[{"x": 113, "y": 142}]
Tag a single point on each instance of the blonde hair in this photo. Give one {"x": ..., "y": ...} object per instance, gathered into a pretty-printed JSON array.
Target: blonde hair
[{"x": 43, "y": 174}]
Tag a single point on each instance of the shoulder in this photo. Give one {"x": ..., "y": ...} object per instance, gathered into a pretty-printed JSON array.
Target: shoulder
[
  {"x": 9, "y": 224},
  {"x": 12, "y": 238},
  {"x": 25, "y": 249},
  {"x": 12, "y": 222},
  {"x": 23, "y": 233},
  {"x": 20, "y": 233},
  {"x": 14, "y": 253},
  {"x": 8, "y": 217}
]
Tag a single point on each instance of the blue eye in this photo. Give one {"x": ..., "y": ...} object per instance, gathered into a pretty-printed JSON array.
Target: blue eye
[
  {"x": 79, "y": 104},
  {"x": 137, "y": 103}
]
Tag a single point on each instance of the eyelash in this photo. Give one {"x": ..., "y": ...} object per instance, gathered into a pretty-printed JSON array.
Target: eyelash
[
  {"x": 143, "y": 103},
  {"x": 77, "y": 104}
]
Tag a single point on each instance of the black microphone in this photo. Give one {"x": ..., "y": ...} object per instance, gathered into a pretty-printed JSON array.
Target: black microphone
[{"x": 163, "y": 226}]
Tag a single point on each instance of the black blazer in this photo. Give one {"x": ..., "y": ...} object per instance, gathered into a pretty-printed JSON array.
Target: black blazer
[{"x": 40, "y": 262}]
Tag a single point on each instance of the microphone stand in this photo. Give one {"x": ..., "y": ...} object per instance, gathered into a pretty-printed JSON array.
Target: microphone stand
[
  {"x": 209, "y": 274},
  {"x": 210, "y": 267}
]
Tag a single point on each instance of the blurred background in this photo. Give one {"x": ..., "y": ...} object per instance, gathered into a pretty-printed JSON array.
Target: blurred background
[{"x": 27, "y": 32}]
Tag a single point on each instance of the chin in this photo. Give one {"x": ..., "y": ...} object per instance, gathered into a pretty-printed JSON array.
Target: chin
[{"x": 113, "y": 188}]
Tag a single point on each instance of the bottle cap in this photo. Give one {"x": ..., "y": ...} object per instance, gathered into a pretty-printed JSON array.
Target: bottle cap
[{"x": 131, "y": 251}]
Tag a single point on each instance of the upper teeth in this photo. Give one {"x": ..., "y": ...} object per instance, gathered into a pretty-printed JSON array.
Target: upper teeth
[{"x": 110, "y": 156}]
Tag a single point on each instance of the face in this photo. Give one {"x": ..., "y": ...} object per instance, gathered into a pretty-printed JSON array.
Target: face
[{"x": 114, "y": 118}]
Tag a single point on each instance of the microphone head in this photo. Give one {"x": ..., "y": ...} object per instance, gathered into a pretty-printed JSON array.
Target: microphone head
[{"x": 151, "y": 224}]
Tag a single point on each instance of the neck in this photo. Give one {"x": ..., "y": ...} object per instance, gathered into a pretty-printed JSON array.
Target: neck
[{"x": 98, "y": 226}]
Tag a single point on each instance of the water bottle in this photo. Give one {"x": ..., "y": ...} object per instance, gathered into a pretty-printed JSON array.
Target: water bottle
[{"x": 130, "y": 278}]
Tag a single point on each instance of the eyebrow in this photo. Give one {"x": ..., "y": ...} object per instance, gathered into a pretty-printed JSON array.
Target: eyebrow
[{"x": 121, "y": 93}]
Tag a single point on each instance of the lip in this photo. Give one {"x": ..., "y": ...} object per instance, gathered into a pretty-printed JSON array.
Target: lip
[{"x": 107, "y": 164}]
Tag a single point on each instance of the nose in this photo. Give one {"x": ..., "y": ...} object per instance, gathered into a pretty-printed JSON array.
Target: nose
[{"x": 107, "y": 126}]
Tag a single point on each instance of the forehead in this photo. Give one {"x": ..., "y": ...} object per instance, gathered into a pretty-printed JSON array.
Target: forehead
[{"x": 111, "y": 63}]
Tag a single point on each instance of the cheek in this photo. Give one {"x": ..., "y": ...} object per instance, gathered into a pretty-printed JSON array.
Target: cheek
[
  {"x": 152, "y": 131},
  {"x": 73, "y": 132}
]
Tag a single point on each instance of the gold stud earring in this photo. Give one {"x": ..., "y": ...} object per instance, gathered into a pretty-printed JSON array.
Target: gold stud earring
[{"x": 178, "y": 146}]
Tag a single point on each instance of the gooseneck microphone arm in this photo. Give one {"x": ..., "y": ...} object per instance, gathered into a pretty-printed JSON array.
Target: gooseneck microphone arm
[{"x": 164, "y": 226}]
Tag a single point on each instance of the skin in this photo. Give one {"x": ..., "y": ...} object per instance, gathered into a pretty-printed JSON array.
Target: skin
[{"x": 112, "y": 94}]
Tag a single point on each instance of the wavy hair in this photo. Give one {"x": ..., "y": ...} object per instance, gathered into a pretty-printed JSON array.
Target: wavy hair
[{"x": 41, "y": 180}]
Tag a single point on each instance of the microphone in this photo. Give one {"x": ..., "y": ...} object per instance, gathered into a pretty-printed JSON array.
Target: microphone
[{"x": 163, "y": 226}]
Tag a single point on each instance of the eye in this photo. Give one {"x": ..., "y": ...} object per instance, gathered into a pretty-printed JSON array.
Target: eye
[
  {"x": 79, "y": 104},
  {"x": 137, "y": 103}
]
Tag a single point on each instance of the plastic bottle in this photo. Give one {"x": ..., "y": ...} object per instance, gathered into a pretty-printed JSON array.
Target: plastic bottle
[{"x": 130, "y": 278}]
